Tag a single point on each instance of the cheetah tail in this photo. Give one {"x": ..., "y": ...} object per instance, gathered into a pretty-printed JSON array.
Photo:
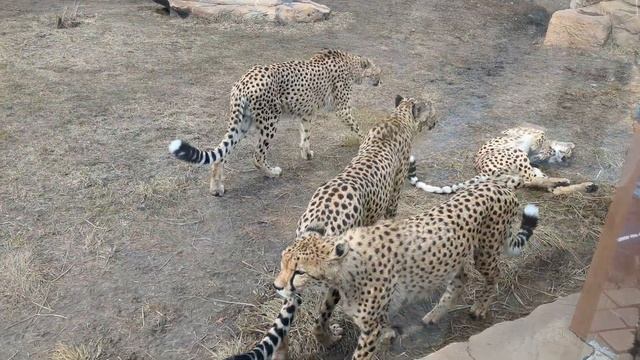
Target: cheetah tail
[
  {"x": 272, "y": 344},
  {"x": 413, "y": 178},
  {"x": 242, "y": 121},
  {"x": 530, "y": 216}
]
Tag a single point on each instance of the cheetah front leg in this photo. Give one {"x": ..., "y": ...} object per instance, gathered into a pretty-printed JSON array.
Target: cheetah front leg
[
  {"x": 368, "y": 340},
  {"x": 344, "y": 113},
  {"x": 325, "y": 334},
  {"x": 267, "y": 132},
  {"x": 305, "y": 123},
  {"x": 451, "y": 294}
]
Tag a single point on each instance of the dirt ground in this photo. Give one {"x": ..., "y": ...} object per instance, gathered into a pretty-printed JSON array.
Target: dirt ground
[{"x": 109, "y": 244}]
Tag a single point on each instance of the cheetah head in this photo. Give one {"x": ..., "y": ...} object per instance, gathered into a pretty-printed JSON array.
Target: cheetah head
[
  {"x": 422, "y": 112},
  {"x": 554, "y": 152},
  {"x": 309, "y": 260},
  {"x": 364, "y": 68}
]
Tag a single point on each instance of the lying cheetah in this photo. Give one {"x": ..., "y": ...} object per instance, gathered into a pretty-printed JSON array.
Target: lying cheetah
[
  {"x": 274, "y": 346},
  {"x": 365, "y": 191},
  {"x": 375, "y": 269},
  {"x": 509, "y": 154},
  {"x": 295, "y": 88}
]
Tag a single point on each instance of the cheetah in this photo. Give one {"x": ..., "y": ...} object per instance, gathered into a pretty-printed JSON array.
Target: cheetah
[
  {"x": 297, "y": 89},
  {"x": 377, "y": 268},
  {"x": 510, "y": 154},
  {"x": 274, "y": 346}
]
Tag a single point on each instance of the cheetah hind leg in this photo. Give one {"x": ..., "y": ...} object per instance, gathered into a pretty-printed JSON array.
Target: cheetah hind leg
[
  {"x": 305, "y": 151},
  {"x": 451, "y": 293},
  {"x": 216, "y": 184}
]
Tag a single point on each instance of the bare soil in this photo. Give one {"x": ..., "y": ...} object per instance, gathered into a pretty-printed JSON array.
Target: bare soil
[{"x": 109, "y": 245}]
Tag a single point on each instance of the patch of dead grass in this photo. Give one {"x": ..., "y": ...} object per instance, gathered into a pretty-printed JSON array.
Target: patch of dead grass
[
  {"x": 18, "y": 276},
  {"x": 91, "y": 351}
]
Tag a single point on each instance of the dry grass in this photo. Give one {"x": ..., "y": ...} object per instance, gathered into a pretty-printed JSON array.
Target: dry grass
[
  {"x": 18, "y": 276},
  {"x": 77, "y": 352},
  {"x": 69, "y": 17}
]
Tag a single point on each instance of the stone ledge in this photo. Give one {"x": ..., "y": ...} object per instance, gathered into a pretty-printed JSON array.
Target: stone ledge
[
  {"x": 542, "y": 335},
  {"x": 280, "y": 11}
]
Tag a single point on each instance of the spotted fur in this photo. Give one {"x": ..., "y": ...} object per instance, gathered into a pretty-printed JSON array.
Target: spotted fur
[
  {"x": 274, "y": 345},
  {"x": 265, "y": 93},
  {"x": 516, "y": 152},
  {"x": 375, "y": 269}
]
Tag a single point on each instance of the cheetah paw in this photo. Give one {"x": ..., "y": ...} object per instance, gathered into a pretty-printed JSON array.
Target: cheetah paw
[
  {"x": 306, "y": 154},
  {"x": 217, "y": 190},
  {"x": 274, "y": 171},
  {"x": 477, "y": 312},
  {"x": 330, "y": 336},
  {"x": 387, "y": 337}
]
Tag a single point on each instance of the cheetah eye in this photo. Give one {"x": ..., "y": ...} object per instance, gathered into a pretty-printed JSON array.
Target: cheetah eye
[{"x": 299, "y": 272}]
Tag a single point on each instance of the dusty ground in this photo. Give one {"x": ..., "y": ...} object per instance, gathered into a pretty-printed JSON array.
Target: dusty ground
[{"x": 108, "y": 243}]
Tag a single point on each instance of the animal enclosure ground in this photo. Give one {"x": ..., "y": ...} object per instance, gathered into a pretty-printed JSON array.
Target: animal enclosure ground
[{"x": 110, "y": 248}]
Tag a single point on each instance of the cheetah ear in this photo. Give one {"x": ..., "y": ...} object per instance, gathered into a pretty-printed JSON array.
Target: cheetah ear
[
  {"x": 316, "y": 228},
  {"x": 418, "y": 109},
  {"x": 340, "y": 249},
  {"x": 398, "y": 100},
  {"x": 365, "y": 63}
]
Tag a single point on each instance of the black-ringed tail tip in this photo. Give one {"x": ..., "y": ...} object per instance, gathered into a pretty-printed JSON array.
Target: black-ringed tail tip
[
  {"x": 530, "y": 216},
  {"x": 185, "y": 152}
]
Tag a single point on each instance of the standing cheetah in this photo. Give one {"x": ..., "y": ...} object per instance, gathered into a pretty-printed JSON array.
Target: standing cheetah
[
  {"x": 295, "y": 88},
  {"x": 375, "y": 269}
]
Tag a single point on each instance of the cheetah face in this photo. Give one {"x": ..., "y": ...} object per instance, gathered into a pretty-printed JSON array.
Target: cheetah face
[
  {"x": 561, "y": 151},
  {"x": 306, "y": 262},
  {"x": 368, "y": 70},
  {"x": 553, "y": 152}
]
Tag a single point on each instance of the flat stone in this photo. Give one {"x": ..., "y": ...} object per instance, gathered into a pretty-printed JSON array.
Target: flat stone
[
  {"x": 625, "y": 297},
  {"x": 280, "y": 11},
  {"x": 543, "y": 334},
  {"x": 606, "y": 319},
  {"x": 628, "y": 315},
  {"x": 578, "y": 29},
  {"x": 619, "y": 340}
]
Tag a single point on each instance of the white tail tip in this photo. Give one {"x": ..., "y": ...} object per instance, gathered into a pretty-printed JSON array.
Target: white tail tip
[
  {"x": 174, "y": 146},
  {"x": 531, "y": 210},
  {"x": 412, "y": 158}
]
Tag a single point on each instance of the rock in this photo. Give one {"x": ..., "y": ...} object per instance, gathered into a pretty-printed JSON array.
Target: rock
[
  {"x": 576, "y": 4},
  {"x": 281, "y": 11},
  {"x": 578, "y": 29},
  {"x": 625, "y": 22}
]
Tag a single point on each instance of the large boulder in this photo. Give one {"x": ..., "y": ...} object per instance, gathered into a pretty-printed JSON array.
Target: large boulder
[
  {"x": 616, "y": 21},
  {"x": 281, "y": 11},
  {"x": 576, "y": 28},
  {"x": 625, "y": 19}
]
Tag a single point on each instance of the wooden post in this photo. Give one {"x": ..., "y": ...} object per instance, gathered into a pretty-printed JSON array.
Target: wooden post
[{"x": 604, "y": 255}]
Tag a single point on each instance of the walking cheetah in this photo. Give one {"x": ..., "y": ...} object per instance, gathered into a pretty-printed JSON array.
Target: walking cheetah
[
  {"x": 295, "y": 88},
  {"x": 509, "y": 154},
  {"x": 375, "y": 269}
]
